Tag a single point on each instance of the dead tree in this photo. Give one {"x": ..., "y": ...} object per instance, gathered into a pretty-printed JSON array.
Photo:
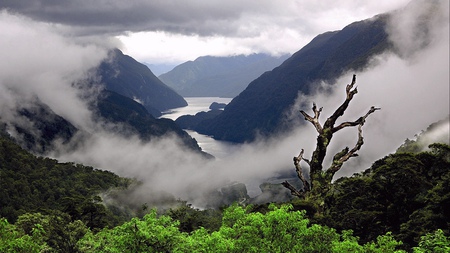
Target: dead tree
[{"x": 320, "y": 180}]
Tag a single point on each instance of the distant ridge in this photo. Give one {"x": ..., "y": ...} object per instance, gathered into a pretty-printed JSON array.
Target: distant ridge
[{"x": 211, "y": 76}]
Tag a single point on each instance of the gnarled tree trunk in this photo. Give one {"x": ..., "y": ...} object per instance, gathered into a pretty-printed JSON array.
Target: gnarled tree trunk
[{"x": 319, "y": 182}]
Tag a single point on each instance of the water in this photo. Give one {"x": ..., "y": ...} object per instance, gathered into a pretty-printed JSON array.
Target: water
[
  {"x": 195, "y": 105},
  {"x": 219, "y": 149}
]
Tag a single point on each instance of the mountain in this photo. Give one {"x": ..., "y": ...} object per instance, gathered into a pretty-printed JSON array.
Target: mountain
[
  {"x": 211, "y": 76},
  {"x": 39, "y": 129},
  {"x": 131, "y": 117},
  {"x": 261, "y": 106},
  {"x": 124, "y": 75}
]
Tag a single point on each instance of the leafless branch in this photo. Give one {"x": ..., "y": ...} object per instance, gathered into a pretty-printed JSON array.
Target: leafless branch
[
  {"x": 314, "y": 120},
  {"x": 299, "y": 171},
  {"x": 356, "y": 122},
  {"x": 350, "y": 91},
  {"x": 340, "y": 158},
  {"x": 293, "y": 190},
  {"x": 320, "y": 181}
]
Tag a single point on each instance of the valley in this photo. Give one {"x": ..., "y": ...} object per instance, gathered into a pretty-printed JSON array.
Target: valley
[{"x": 337, "y": 136}]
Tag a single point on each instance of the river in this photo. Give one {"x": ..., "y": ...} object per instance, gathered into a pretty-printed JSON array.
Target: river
[{"x": 219, "y": 149}]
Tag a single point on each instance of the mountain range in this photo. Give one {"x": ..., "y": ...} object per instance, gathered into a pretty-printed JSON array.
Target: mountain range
[
  {"x": 261, "y": 107},
  {"x": 213, "y": 76},
  {"x": 130, "y": 99}
]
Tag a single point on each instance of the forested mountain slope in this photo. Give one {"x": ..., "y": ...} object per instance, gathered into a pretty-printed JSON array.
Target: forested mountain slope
[
  {"x": 405, "y": 193},
  {"x": 38, "y": 184}
]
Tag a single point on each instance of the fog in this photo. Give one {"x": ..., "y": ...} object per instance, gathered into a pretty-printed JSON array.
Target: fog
[
  {"x": 39, "y": 63},
  {"x": 411, "y": 87}
]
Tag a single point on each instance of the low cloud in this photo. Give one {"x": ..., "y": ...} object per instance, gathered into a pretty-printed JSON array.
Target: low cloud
[{"x": 39, "y": 63}]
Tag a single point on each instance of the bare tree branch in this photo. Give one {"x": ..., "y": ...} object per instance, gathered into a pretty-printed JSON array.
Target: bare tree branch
[
  {"x": 293, "y": 190},
  {"x": 341, "y": 109},
  {"x": 299, "y": 171},
  {"x": 320, "y": 181},
  {"x": 315, "y": 120},
  {"x": 340, "y": 158},
  {"x": 356, "y": 122}
]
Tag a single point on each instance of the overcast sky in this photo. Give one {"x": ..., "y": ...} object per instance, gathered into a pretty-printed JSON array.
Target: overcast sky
[{"x": 175, "y": 31}]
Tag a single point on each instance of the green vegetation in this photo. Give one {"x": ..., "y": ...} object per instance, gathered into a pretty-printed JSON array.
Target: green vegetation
[
  {"x": 398, "y": 205},
  {"x": 32, "y": 184},
  {"x": 404, "y": 193},
  {"x": 279, "y": 230}
]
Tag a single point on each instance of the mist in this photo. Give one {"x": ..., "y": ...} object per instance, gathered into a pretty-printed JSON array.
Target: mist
[
  {"x": 38, "y": 63},
  {"x": 411, "y": 87}
]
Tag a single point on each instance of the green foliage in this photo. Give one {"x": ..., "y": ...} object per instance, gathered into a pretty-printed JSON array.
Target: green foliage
[
  {"x": 37, "y": 184},
  {"x": 15, "y": 240},
  {"x": 191, "y": 219},
  {"x": 404, "y": 193},
  {"x": 435, "y": 242},
  {"x": 149, "y": 234},
  {"x": 61, "y": 233},
  {"x": 278, "y": 230}
]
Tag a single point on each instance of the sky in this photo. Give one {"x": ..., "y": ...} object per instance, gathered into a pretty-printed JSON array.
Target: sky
[
  {"x": 46, "y": 48},
  {"x": 176, "y": 31}
]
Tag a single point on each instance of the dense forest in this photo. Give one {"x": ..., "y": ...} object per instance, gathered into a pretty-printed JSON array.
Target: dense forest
[{"x": 399, "y": 204}]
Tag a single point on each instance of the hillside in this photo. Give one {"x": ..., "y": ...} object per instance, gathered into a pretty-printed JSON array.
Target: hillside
[
  {"x": 39, "y": 184},
  {"x": 131, "y": 118},
  {"x": 210, "y": 76},
  {"x": 37, "y": 128},
  {"x": 124, "y": 75}
]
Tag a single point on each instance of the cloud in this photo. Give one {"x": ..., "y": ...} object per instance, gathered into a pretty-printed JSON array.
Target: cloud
[
  {"x": 230, "y": 18},
  {"x": 37, "y": 62},
  {"x": 202, "y": 27}
]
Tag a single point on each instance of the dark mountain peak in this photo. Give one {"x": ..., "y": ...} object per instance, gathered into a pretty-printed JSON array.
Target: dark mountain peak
[{"x": 124, "y": 75}]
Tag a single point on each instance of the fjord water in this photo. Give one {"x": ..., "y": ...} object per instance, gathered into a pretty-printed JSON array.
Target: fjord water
[{"x": 219, "y": 149}]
